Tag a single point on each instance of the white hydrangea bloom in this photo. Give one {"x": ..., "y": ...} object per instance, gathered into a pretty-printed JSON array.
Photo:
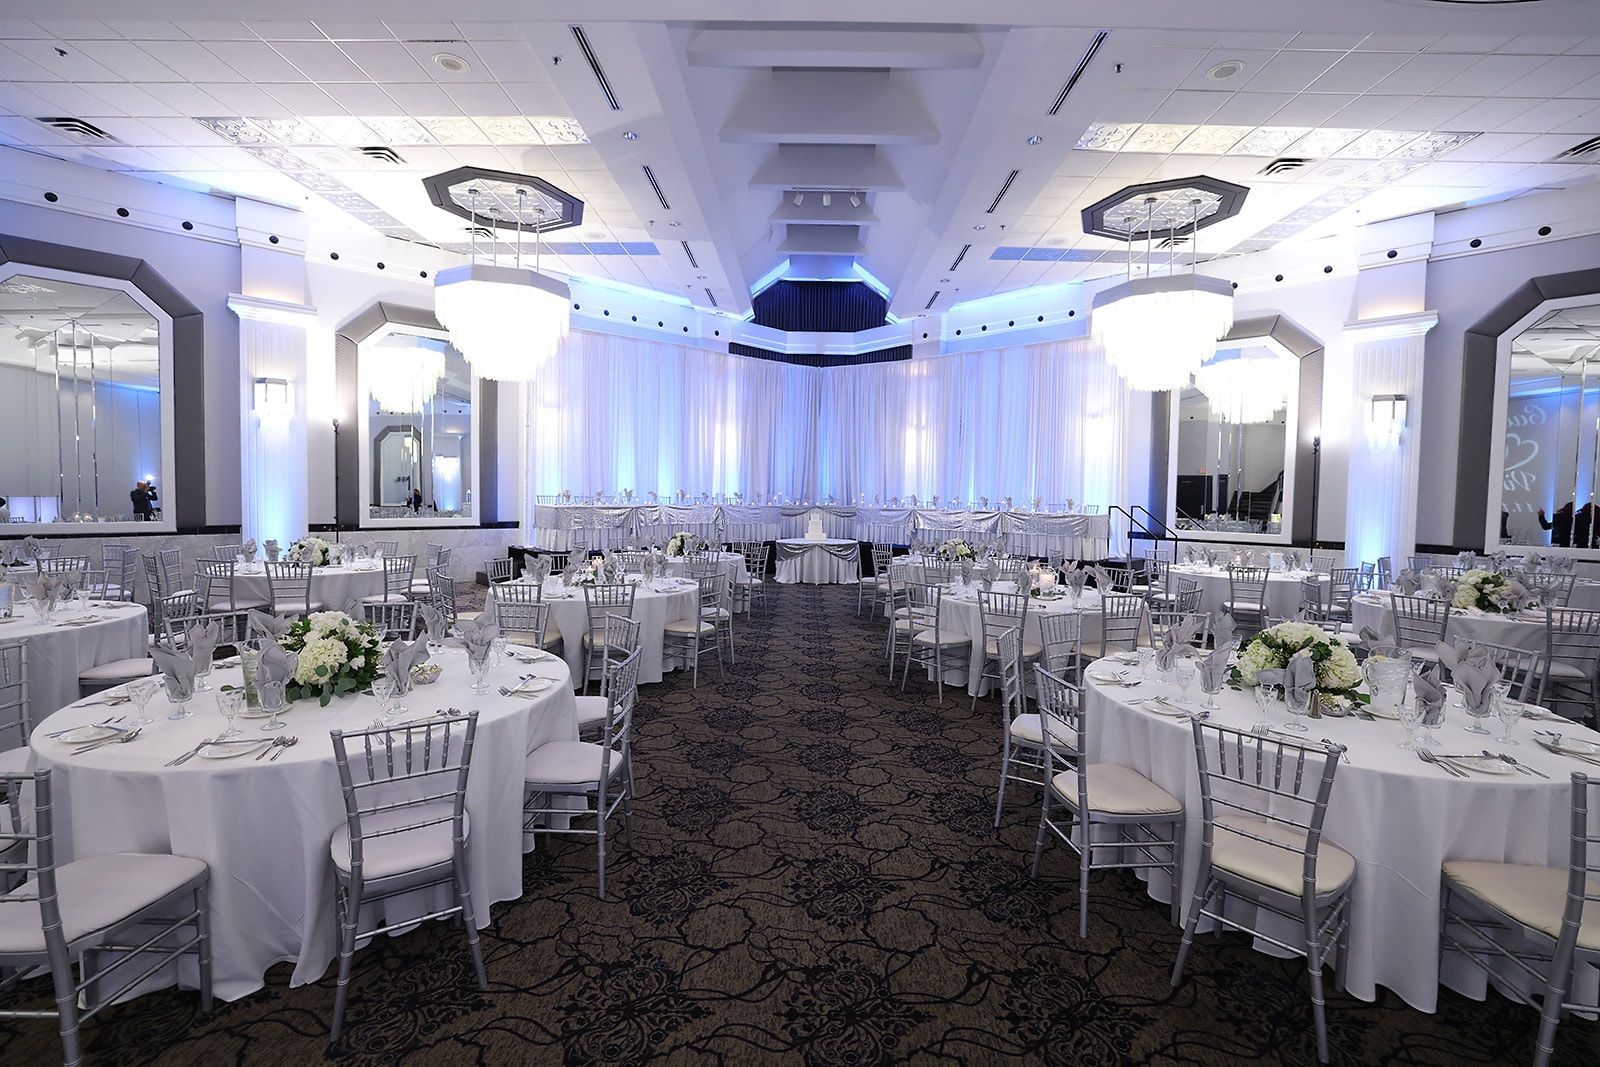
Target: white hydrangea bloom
[{"x": 319, "y": 652}]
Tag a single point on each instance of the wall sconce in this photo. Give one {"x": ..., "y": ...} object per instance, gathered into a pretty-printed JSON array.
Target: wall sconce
[
  {"x": 274, "y": 400},
  {"x": 1386, "y": 418}
]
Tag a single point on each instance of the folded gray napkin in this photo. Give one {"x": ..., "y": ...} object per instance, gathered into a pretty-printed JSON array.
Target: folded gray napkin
[
  {"x": 272, "y": 550},
  {"x": 1214, "y": 669},
  {"x": 1272, "y": 676},
  {"x": 1407, "y": 582},
  {"x": 1102, "y": 578},
  {"x": 276, "y": 666},
  {"x": 1077, "y": 577},
  {"x": 1429, "y": 688},
  {"x": 433, "y": 619},
  {"x": 1300, "y": 676},
  {"x": 1178, "y": 635},
  {"x": 1519, "y": 595},
  {"x": 479, "y": 634},
  {"x": 1476, "y": 682},
  {"x": 248, "y": 550},
  {"x": 400, "y": 659},
  {"x": 201, "y": 640},
  {"x": 1222, "y": 630},
  {"x": 1374, "y": 638},
  {"x": 177, "y": 672},
  {"x": 260, "y": 624},
  {"x": 31, "y": 547}
]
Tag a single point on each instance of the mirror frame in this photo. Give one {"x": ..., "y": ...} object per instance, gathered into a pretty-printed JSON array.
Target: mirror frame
[
  {"x": 363, "y": 431},
  {"x": 1501, "y": 403},
  {"x": 168, "y": 523}
]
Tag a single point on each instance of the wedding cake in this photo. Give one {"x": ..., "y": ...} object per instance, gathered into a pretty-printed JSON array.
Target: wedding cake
[{"x": 814, "y": 528}]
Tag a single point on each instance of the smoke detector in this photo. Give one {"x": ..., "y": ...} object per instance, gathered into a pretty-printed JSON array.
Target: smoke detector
[
  {"x": 1228, "y": 68},
  {"x": 451, "y": 63}
]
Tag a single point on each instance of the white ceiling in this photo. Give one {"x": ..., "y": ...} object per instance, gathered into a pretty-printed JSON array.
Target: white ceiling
[{"x": 924, "y": 119}]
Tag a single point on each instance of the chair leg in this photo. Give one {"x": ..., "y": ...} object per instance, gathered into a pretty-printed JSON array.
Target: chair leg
[
  {"x": 1044, "y": 824},
  {"x": 67, "y": 1016},
  {"x": 464, "y": 898},
  {"x": 600, "y": 838},
  {"x": 1005, "y": 770},
  {"x": 1085, "y": 854},
  {"x": 1201, "y": 895},
  {"x": 1314, "y": 967},
  {"x": 627, "y": 799},
  {"x": 348, "y": 925},
  {"x": 202, "y": 907},
  {"x": 1555, "y": 992}
]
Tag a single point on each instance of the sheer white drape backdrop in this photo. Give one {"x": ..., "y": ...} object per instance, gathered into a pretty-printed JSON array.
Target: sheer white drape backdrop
[{"x": 1050, "y": 420}]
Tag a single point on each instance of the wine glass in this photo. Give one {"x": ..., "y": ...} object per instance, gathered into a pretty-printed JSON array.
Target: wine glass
[
  {"x": 1299, "y": 704},
  {"x": 1211, "y": 684},
  {"x": 202, "y": 672},
  {"x": 142, "y": 691},
  {"x": 1262, "y": 693},
  {"x": 1508, "y": 711},
  {"x": 1184, "y": 668},
  {"x": 180, "y": 690},
  {"x": 1410, "y": 713},
  {"x": 478, "y": 657},
  {"x": 230, "y": 702},
  {"x": 383, "y": 690},
  {"x": 497, "y": 652},
  {"x": 1147, "y": 657},
  {"x": 401, "y": 681},
  {"x": 274, "y": 698}
]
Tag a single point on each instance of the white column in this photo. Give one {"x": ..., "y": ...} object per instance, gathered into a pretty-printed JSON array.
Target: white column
[
  {"x": 1381, "y": 506},
  {"x": 272, "y": 380}
]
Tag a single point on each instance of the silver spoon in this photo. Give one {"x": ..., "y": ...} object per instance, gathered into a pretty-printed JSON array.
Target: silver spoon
[
  {"x": 288, "y": 742},
  {"x": 1514, "y": 763}
]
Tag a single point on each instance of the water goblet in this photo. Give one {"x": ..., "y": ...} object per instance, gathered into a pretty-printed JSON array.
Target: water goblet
[
  {"x": 230, "y": 702},
  {"x": 1211, "y": 684},
  {"x": 1263, "y": 698},
  {"x": 142, "y": 692},
  {"x": 401, "y": 681},
  {"x": 1147, "y": 659},
  {"x": 1299, "y": 705},
  {"x": 383, "y": 690},
  {"x": 1184, "y": 669},
  {"x": 180, "y": 691},
  {"x": 478, "y": 664},
  {"x": 1508, "y": 711},
  {"x": 497, "y": 652},
  {"x": 274, "y": 699},
  {"x": 202, "y": 673},
  {"x": 1410, "y": 718}
]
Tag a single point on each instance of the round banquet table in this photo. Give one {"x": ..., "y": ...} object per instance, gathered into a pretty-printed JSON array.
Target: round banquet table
[
  {"x": 655, "y": 604},
  {"x": 1517, "y": 630},
  {"x": 1283, "y": 588},
  {"x": 959, "y": 615},
  {"x": 331, "y": 587},
  {"x": 79, "y": 636},
  {"x": 1400, "y": 818},
  {"x": 829, "y": 561},
  {"x": 264, "y": 826},
  {"x": 732, "y": 568},
  {"x": 1585, "y": 595}
]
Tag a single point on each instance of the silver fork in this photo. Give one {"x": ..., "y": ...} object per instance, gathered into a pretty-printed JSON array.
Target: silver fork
[
  {"x": 288, "y": 742},
  {"x": 120, "y": 739},
  {"x": 1427, "y": 757},
  {"x": 277, "y": 743},
  {"x": 189, "y": 754},
  {"x": 109, "y": 721},
  {"x": 1514, "y": 763}
]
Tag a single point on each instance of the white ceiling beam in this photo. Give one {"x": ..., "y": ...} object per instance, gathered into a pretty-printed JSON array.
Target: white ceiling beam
[
  {"x": 822, "y": 241},
  {"x": 830, "y": 107},
  {"x": 827, "y": 167},
  {"x": 869, "y": 49}
]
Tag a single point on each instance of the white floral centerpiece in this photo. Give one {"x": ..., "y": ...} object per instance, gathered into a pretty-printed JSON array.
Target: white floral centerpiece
[
  {"x": 337, "y": 656},
  {"x": 312, "y": 550},
  {"x": 590, "y": 572},
  {"x": 955, "y": 548},
  {"x": 1338, "y": 675},
  {"x": 681, "y": 544},
  {"x": 1486, "y": 591}
]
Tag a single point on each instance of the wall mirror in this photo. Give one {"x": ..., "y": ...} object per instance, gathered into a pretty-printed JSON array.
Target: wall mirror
[
  {"x": 1551, "y": 436},
  {"x": 85, "y": 402},
  {"x": 419, "y": 429},
  {"x": 1232, "y": 440}
]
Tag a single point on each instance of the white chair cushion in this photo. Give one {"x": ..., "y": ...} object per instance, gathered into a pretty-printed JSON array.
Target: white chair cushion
[
  {"x": 591, "y": 710},
  {"x": 1027, "y": 728},
  {"x": 409, "y": 850},
  {"x": 1567, "y": 672},
  {"x": 237, "y": 604},
  {"x": 291, "y": 607},
  {"x": 944, "y": 640},
  {"x": 1235, "y": 606},
  {"x": 687, "y": 627},
  {"x": 567, "y": 763},
  {"x": 1276, "y": 867},
  {"x": 1117, "y": 790},
  {"x": 1030, "y": 650},
  {"x": 94, "y": 892},
  {"x": 119, "y": 670},
  {"x": 1533, "y": 896}
]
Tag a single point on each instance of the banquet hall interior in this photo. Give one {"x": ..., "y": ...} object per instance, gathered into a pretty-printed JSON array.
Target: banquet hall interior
[{"x": 711, "y": 531}]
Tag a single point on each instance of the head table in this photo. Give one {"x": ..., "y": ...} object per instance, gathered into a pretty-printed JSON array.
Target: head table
[
  {"x": 818, "y": 561},
  {"x": 264, "y": 826},
  {"x": 78, "y": 636},
  {"x": 1399, "y": 817}
]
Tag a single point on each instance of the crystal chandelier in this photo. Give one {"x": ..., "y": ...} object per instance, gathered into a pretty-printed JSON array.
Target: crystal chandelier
[
  {"x": 1158, "y": 330},
  {"x": 506, "y": 320},
  {"x": 1246, "y": 389},
  {"x": 407, "y": 379}
]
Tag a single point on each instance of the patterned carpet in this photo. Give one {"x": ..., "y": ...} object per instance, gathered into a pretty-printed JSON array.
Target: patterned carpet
[{"x": 816, "y": 881}]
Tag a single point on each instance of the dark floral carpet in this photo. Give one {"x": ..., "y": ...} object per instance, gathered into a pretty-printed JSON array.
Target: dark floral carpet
[{"x": 815, "y": 881}]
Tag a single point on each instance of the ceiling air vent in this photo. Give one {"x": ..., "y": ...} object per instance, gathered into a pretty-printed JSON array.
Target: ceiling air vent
[
  {"x": 1083, "y": 65},
  {"x": 1284, "y": 164},
  {"x": 77, "y": 129},
  {"x": 594, "y": 65},
  {"x": 712, "y": 297},
  {"x": 655, "y": 187},
  {"x": 1005, "y": 187},
  {"x": 931, "y": 299},
  {"x": 961, "y": 255},
  {"x": 1581, "y": 149},
  {"x": 1173, "y": 242},
  {"x": 695, "y": 263},
  {"x": 381, "y": 153},
  {"x": 480, "y": 231}
]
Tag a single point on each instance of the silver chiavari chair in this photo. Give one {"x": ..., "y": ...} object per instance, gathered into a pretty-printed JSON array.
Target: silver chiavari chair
[
  {"x": 394, "y": 620},
  {"x": 1522, "y": 669},
  {"x": 997, "y": 613},
  {"x": 405, "y": 829},
  {"x": 721, "y": 616},
  {"x": 1322, "y": 564},
  {"x": 872, "y": 589},
  {"x": 524, "y": 616},
  {"x": 1368, "y": 578},
  {"x": 923, "y": 640},
  {"x": 1312, "y": 604},
  {"x": 227, "y": 552},
  {"x": 1552, "y": 587},
  {"x": 1572, "y": 658},
  {"x": 600, "y": 774},
  {"x": 1162, "y": 620},
  {"x": 386, "y": 548},
  {"x": 16, "y": 717},
  {"x": 1420, "y": 624},
  {"x": 218, "y": 589},
  {"x": 622, "y": 641},
  {"x": 62, "y": 564},
  {"x": 146, "y": 911},
  {"x": 1385, "y": 572},
  {"x": 1247, "y": 596},
  {"x": 1061, "y": 634},
  {"x": 1520, "y": 923},
  {"x": 598, "y": 602},
  {"x": 289, "y": 588},
  {"x": 499, "y": 570},
  {"x": 398, "y": 572},
  {"x": 121, "y": 566},
  {"x": 756, "y": 556},
  {"x": 697, "y": 635},
  {"x": 1021, "y": 736},
  {"x": 1147, "y": 820},
  {"x": 1265, "y": 846},
  {"x": 1343, "y": 584},
  {"x": 1123, "y": 620},
  {"x": 441, "y": 593}
]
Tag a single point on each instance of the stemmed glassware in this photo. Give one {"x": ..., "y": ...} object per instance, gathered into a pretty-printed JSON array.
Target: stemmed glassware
[
  {"x": 230, "y": 702},
  {"x": 202, "y": 673},
  {"x": 401, "y": 681},
  {"x": 1299, "y": 705},
  {"x": 1508, "y": 711},
  {"x": 383, "y": 689},
  {"x": 1185, "y": 670},
  {"x": 1211, "y": 684},
  {"x": 142, "y": 692},
  {"x": 1263, "y": 698},
  {"x": 180, "y": 691},
  {"x": 1410, "y": 718},
  {"x": 274, "y": 698},
  {"x": 478, "y": 658}
]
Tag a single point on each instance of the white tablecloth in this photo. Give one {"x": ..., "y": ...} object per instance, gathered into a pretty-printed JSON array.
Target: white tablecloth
[
  {"x": 653, "y": 607},
  {"x": 264, "y": 827},
  {"x": 1585, "y": 595},
  {"x": 1517, "y": 631},
  {"x": 806, "y": 562},
  {"x": 1400, "y": 819},
  {"x": 1283, "y": 588},
  {"x": 959, "y": 615},
  {"x": 732, "y": 569},
  {"x": 58, "y": 651},
  {"x": 331, "y": 587}
]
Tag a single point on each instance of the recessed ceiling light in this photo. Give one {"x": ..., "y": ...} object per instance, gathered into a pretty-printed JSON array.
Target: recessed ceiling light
[
  {"x": 980, "y": 226},
  {"x": 1036, "y": 139},
  {"x": 674, "y": 224},
  {"x": 449, "y": 61},
  {"x": 1228, "y": 68},
  {"x": 630, "y": 135}
]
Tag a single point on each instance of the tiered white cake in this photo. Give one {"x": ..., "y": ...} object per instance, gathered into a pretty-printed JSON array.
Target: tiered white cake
[{"x": 814, "y": 528}]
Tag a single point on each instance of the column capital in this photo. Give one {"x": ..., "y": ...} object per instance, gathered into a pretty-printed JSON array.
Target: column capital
[
  {"x": 1392, "y": 327},
  {"x": 275, "y": 311}
]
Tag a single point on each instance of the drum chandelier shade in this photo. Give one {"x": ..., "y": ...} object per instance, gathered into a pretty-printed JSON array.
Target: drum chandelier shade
[
  {"x": 407, "y": 379},
  {"x": 1245, "y": 390},
  {"x": 506, "y": 321},
  {"x": 1158, "y": 331}
]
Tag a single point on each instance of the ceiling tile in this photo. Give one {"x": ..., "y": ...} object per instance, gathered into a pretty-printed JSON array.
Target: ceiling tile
[
  {"x": 1589, "y": 90},
  {"x": 128, "y": 61},
  {"x": 509, "y": 61},
  {"x": 536, "y": 98},
  {"x": 385, "y": 61},
  {"x": 75, "y": 66},
  {"x": 1431, "y": 112},
  {"x": 424, "y": 53},
  {"x": 301, "y": 98},
  {"x": 1489, "y": 146},
  {"x": 1490, "y": 114},
  {"x": 1188, "y": 105},
  {"x": 192, "y": 62},
  {"x": 355, "y": 31},
  {"x": 321, "y": 61},
  {"x": 21, "y": 30},
  {"x": 186, "y": 99},
  {"x": 1248, "y": 109},
  {"x": 420, "y": 99},
  {"x": 1253, "y": 59},
  {"x": 1546, "y": 116},
  {"x": 1469, "y": 42},
  {"x": 1538, "y": 149},
  {"x": 1373, "y": 111},
  {"x": 1290, "y": 72},
  {"x": 243, "y": 99},
  {"x": 217, "y": 31},
  {"x": 423, "y": 31},
  {"x": 1491, "y": 74},
  {"x": 1555, "y": 75},
  {"x": 362, "y": 98},
  {"x": 1426, "y": 73},
  {"x": 1358, "y": 72},
  {"x": 1414, "y": 42},
  {"x": 146, "y": 30},
  {"x": 255, "y": 61},
  {"x": 1337, "y": 42},
  {"x": 1531, "y": 44},
  {"x": 1589, "y": 46},
  {"x": 67, "y": 99},
  {"x": 136, "y": 101},
  {"x": 486, "y": 99},
  {"x": 19, "y": 100},
  {"x": 1133, "y": 105},
  {"x": 1310, "y": 109},
  {"x": 1158, "y": 68},
  {"x": 78, "y": 30}
]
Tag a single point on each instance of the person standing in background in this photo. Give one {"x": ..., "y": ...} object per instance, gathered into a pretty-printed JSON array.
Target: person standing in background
[{"x": 143, "y": 496}]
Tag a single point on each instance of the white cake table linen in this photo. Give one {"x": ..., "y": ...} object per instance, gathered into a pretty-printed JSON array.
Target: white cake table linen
[
  {"x": 803, "y": 561},
  {"x": 653, "y": 608},
  {"x": 331, "y": 587},
  {"x": 59, "y": 651},
  {"x": 264, "y": 826},
  {"x": 1400, "y": 818}
]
